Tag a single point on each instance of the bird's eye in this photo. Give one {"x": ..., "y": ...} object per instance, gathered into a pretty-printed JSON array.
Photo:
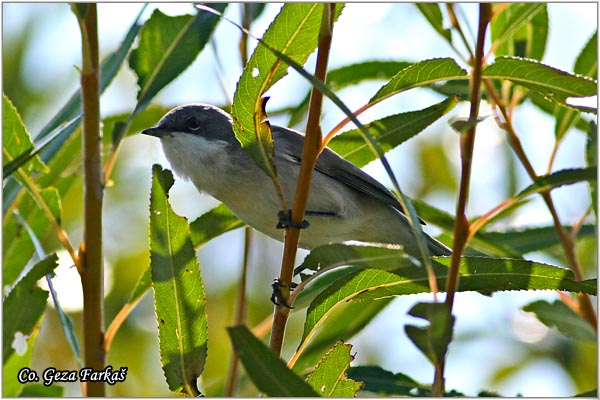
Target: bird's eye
[{"x": 193, "y": 124}]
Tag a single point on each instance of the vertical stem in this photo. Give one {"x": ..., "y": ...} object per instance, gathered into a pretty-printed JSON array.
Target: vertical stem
[
  {"x": 310, "y": 152},
  {"x": 467, "y": 141},
  {"x": 91, "y": 266},
  {"x": 240, "y": 312}
]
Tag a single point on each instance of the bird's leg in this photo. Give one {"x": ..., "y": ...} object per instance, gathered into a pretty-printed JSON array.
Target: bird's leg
[
  {"x": 285, "y": 221},
  {"x": 277, "y": 298}
]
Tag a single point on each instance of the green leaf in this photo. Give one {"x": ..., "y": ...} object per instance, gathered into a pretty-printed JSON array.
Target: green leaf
[
  {"x": 378, "y": 380},
  {"x": 422, "y": 73},
  {"x": 329, "y": 376},
  {"x": 204, "y": 228},
  {"x": 390, "y": 132},
  {"x": 559, "y": 178},
  {"x": 553, "y": 83},
  {"x": 268, "y": 372},
  {"x": 212, "y": 224},
  {"x": 527, "y": 240},
  {"x": 520, "y": 29},
  {"x": 587, "y": 61},
  {"x": 25, "y": 304},
  {"x": 433, "y": 14},
  {"x": 559, "y": 315},
  {"x": 364, "y": 256},
  {"x": 349, "y": 75},
  {"x": 16, "y": 142},
  {"x": 167, "y": 46},
  {"x": 477, "y": 274},
  {"x": 433, "y": 340},
  {"x": 58, "y": 135},
  {"x": 71, "y": 111},
  {"x": 59, "y": 130},
  {"x": 586, "y": 65},
  {"x": 178, "y": 290},
  {"x": 343, "y": 322},
  {"x": 591, "y": 157},
  {"x": 11, "y": 387},
  {"x": 40, "y": 390},
  {"x": 65, "y": 321},
  {"x": 293, "y": 32},
  {"x": 550, "y": 107}
]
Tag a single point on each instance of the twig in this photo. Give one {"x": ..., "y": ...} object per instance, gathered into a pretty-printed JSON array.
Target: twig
[
  {"x": 240, "y": 312},
  {"x": 312, "y": 145},
  {"x": 467, "y": 141},
  {"x": 586, "y": 308},
  {"x": 91, "y": 265}
]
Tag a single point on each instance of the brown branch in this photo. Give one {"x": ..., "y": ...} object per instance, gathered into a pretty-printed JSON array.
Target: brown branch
[
  {"x": 467, "y": 141},
  {"x": 91, "y": 265},
  {"x": 586, "y": 308},
  {"x": 310, "y": 152}
]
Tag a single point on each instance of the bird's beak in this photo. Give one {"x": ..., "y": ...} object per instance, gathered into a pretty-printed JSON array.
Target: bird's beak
[{"x": 157, "y": 132}]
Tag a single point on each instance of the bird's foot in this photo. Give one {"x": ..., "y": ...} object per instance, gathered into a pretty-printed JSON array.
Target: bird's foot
[
  {"x": 277, "y": 297},
  {"x": 285, "y": 221}
]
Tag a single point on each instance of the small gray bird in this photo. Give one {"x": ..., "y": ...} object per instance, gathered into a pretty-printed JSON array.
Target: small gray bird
[{"x": 345, "y": 204}]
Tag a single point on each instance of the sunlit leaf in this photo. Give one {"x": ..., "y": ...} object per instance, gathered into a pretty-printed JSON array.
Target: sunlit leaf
[
  {"x": 25, "y": 304},
  {"x": 16, "y": 142},
  {"x": 268, "y": 372},
  {"x": 389, "y": 131},
  {"x": 329, "y": 376},
  {"x": 554, "y": 84},
  {"x": 178, "y": 290},
  {"x": 293, "y": 32},
  {"x": 167, "y": 46},
  {"x": 212, "y": 224},
  {"x": 343, "y": 322},
  {"x": 520, "y": 29},
  {"x": 11, "y": 387},
  {"x": 65, "y": 321},
  {"x": 422, "y": 73},
  {"x": 347, "y": 75},
  {"x": 558, "y": 315},
  {"x": 477, "y": 274}
]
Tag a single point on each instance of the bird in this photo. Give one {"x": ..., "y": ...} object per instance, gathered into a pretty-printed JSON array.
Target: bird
[{"x": 345, "y": 204}]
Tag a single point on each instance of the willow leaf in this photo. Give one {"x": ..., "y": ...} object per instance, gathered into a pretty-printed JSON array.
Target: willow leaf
[
  {"x": 329, "y": 376},
  {"x": 389, "y": 131},
  {"x": 178, "y": 290},
  {"x": 477, "y": 274},
  {"x": 268, "y": 372},
  {"x": 419, "y": 74},
  {"x": 552, "y": 83},
  {"x": 294, "y": 32}
]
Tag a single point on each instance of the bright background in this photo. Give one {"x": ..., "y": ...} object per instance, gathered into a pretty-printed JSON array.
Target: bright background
[{"x": 496, "y": 345}]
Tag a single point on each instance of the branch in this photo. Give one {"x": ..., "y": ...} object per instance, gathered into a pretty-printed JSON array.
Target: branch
[
  {"x": 467, "y": 141},
  {"x": 91, "y": 265},
  {"x": 310, "y": 152}
]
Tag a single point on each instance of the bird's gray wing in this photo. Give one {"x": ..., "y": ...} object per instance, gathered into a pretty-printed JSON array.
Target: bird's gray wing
[{"x": 331, "y": 164}]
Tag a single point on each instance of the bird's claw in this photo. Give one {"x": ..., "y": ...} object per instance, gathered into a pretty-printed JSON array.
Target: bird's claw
[
  {"x": 277, "y": 297},
  {"x": 285, "y": 221}
]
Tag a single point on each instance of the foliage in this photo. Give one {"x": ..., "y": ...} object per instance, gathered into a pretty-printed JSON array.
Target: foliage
[{"x": 343, "y": 287}]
